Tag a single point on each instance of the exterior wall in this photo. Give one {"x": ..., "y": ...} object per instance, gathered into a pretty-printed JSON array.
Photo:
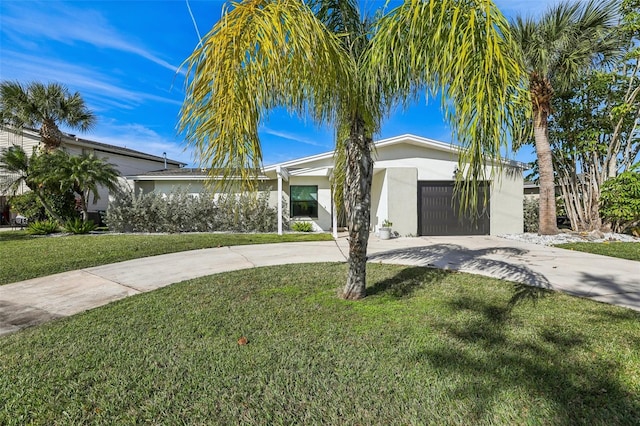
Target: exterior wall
[
  {"x": 26, "y": 141},
  {"x": 144, "y": 186},
  {"x": 403, "y": 200},
  {"x": 506, "y": 190},
  {"x": 506, "y": 202},
  {"x": 325, "y": 202},
  {"x": 125, "y": 164},
  {"x": 407, "y": 151},
  {"x": 379, "y": 201},
  {"x": 169, "y": 186},
  {"x": 272, "y": 187},
  {"x": 397, "y": 170},
  {"x": 428, "y": 169}
]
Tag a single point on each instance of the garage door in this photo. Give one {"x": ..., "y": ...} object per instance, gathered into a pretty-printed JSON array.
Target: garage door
[{"x": 438, "y": 212}]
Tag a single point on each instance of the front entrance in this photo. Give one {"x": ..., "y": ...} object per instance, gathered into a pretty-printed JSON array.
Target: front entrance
[{"x": 438, "y": 211}]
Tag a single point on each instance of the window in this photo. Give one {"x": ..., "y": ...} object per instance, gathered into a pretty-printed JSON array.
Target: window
[{"x": 304, "y": 200}]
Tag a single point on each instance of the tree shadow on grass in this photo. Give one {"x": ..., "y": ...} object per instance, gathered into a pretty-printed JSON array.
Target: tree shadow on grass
[
  {"x": 496, "y": 262},
  {"x": 406, "y": 282},
  {"x": 549, "y": 367}
]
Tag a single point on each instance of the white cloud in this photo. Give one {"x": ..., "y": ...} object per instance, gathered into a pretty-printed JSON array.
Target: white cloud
[
  {"x": 97, "y": 88},
  {"x": 294, "y": 137},
  {"x": 141, "y": 138},
  {"x": 68, "y": 25}
]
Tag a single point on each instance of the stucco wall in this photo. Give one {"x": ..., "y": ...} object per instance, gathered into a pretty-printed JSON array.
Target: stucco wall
[
  {"x": 506, "y": 202},
  {"x": 506, "y": 189},
  {"x": 403, "y": 199},
  {"x": 169, "y": 186},
  {"x": 379, "y": 202},
  {"x": 323, "y": 221}
]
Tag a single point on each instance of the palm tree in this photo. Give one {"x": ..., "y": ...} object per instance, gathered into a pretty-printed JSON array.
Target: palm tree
[
  {"x": 44, "y": 107},
  {"x": 21, "y": 169},
  {"x": 82, "y": 174},
  {"x": 322, "y": 59},
  {"x": 566, "y": 40}
]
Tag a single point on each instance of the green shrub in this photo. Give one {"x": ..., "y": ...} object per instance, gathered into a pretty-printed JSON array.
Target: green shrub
[
  {"x": 42, "y": 227},
  {"x": 78, "y": 226},
  {"x": 28, "y": 205},
  {"x": 620, "y": 201},
  {"x": 302, "y": 226},
  {"x": 185, "y": 212},
  {"x": 531, "y": 214}
]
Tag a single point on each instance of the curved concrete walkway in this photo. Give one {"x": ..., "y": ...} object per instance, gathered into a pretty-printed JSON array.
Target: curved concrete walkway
[{"x": 600, "y": 278}]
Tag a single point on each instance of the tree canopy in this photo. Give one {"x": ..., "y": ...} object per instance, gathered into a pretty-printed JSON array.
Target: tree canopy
[
  {"x": 43, "y": 107},
  {"x": 322, "y": 59}
]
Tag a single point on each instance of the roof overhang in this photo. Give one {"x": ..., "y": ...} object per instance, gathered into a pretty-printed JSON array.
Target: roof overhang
[
  {"x": 101, "y": 147},
  {"x": 298, "y": 164}
]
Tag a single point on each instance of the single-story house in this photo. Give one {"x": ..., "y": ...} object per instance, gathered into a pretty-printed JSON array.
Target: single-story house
[
  {"x": 412, "y": 188},
  {"x": 127, "y": 161}
]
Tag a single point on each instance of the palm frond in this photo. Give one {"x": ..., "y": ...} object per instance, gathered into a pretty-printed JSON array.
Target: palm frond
[
  {"x": 262, "y": 54},
  {"x": 36, "y": 103},
  {"x": 568, "y": 38},
  {"x": 463, "y": 50}
]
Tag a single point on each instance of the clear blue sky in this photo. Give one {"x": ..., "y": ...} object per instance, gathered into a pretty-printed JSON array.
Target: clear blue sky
[{"x": 124, "y": 56}]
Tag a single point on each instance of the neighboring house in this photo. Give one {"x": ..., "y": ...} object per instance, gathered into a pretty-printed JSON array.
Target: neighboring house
[
  {"x": 412, "y": 187},
  {"x": 127, "y": 161},
  {"x": 531, "y": 190}
]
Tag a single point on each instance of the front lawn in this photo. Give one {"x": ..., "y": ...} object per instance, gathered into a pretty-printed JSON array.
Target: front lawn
[
  {"x": 23, "y": 256},
  {"x": 623, "y": 250},
  {"x": 427, "y": 346}
]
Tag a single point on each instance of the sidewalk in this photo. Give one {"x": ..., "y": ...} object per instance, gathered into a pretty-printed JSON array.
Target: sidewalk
[{"x": 600, "y": 278}]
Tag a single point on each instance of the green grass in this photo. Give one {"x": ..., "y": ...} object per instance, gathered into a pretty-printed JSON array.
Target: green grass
[
  {"x": 623, "y": 250},
  {"x": 427, "y": 346},
  {"x": 23, "y": 256}
]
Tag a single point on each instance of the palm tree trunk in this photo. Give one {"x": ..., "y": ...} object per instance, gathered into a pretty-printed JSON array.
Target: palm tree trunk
[
  {"x": 50, "y": 134},
  {"x": 85, "y": 210},
  {"x": 357, "y": 190},
  {"x": 541, "y": 94},
  {"x": 547, "y": 217}
]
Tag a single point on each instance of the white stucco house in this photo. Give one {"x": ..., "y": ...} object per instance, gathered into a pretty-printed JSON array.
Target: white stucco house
[
  {"x": 127, "y": 161},
  {"x": 412, "y": 188}
]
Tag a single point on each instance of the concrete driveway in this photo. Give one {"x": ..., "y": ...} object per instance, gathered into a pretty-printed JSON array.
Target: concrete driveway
[{"x": 600, "y": 278}]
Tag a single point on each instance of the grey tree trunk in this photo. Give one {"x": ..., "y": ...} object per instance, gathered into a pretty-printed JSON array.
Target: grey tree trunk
[
  {"x": 85, "y": 210},
  {"x": 547, "y": 217},
  {"x": 357, "y": 190}
]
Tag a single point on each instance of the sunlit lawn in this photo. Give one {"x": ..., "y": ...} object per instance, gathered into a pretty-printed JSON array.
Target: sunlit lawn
[
  {"x": 426, "y": 346},
  {"x": 623, "y": 250},
  {"x": 23, "y": 256}
]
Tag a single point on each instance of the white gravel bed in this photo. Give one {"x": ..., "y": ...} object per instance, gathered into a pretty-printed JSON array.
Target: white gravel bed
[{"x": 570, "y": 237}]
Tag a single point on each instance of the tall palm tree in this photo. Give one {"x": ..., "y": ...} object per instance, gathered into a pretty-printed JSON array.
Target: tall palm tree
[
  {"x": 21, "y": 169},
  {"x": 44, "y": 107},
  {"x": 566, "y": 40},
  {"x": 320, "y": 58}
]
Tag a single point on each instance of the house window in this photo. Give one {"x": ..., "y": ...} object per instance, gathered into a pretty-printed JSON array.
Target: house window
[{"x": 304, "y": 200}]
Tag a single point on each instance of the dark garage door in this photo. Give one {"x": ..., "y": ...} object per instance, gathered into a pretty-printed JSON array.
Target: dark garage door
[{"x": 438, "y": 214}]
